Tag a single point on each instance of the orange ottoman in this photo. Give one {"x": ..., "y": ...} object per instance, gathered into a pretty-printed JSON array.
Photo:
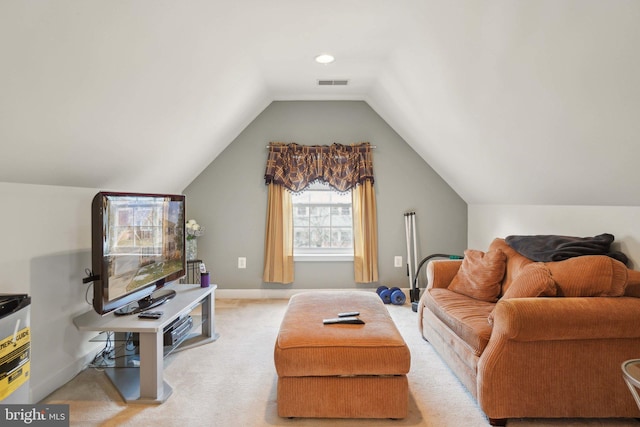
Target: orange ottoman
[{"x": 340, "y": 370}]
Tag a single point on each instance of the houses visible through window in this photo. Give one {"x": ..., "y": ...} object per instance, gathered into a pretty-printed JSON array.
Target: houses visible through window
[
  {"x": 322, "y": 224},
  {"x": 138, "y": 231}
]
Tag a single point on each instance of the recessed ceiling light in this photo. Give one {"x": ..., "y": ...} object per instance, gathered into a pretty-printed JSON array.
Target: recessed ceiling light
[{"x": 325, "y": 58}]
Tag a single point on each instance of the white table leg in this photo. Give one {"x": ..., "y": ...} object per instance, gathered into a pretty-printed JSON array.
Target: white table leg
[{"x": 152, "y": 386}]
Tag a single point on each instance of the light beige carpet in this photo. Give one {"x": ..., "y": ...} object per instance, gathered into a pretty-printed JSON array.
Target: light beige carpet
[{"x": 232, "y": 383}]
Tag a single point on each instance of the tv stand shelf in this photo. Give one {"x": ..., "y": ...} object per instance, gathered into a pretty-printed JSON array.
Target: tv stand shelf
[
  {"x": 193, "y": 339},
  {"x": 146, "y": 384}
]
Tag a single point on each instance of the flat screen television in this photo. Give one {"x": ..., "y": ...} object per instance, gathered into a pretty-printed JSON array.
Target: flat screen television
[{"x": 138, "y": 246}]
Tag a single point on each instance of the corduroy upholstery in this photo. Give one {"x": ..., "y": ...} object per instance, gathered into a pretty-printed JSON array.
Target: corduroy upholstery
[
  {"x": 340, "y": 370},
  {"x": 480, "y": 275},
  {"x": 543, "y": 357}
]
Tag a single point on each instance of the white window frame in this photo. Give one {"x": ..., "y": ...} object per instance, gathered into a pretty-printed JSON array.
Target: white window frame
[{"x": 323, "y": 254}]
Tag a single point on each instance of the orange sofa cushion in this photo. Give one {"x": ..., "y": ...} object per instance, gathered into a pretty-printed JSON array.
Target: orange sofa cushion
[
  {"x": 633, "y": 284},
  {"x": 514, "y": 264},
  {"x": 589, "y": 276},
  {"x": 534, "y": 280},
  {"x": 465, "y": 316},
  {"x": 480, "y": 275}
]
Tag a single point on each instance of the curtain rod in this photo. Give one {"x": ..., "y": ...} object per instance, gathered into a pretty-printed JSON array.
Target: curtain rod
[{"x": 371, "y": 146}]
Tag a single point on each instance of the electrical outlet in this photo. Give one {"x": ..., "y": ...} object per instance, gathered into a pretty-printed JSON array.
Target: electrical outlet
[
  {"x": 242, "y": 262},
  {"x": 397, "y": 261}
]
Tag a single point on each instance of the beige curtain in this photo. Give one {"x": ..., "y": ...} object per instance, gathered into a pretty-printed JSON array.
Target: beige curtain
[
  {"x": 365, "y": 233},
  {"x": 278, "y": 246}
]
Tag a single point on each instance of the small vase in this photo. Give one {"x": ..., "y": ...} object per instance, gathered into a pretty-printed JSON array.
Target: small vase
[{"x": 192, "y": 249}]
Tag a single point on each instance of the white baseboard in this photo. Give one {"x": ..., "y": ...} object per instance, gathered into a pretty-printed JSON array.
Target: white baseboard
[
  {"x": 274, "y": 293},
  {"x": 62, "y": 376}
]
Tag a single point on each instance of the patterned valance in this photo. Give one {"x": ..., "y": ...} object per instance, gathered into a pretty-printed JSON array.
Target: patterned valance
[{"x": 341, "y": 166}]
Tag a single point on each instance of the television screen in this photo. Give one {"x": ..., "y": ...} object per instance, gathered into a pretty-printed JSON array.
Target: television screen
[{"x": 138, "y": 246}]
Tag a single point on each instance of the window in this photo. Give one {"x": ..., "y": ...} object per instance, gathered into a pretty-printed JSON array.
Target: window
[
  {"x": 322, "y": 224},
  {"x": 136, "y": 230}
]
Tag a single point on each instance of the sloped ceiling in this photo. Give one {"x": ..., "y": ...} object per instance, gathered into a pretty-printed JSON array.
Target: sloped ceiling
[{"x": 511, "y": 102}]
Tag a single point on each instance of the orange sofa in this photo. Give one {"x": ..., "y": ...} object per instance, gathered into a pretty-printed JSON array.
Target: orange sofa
[{"x": 535, "y": 339}]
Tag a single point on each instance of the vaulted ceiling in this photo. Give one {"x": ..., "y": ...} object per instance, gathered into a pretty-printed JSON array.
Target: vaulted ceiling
[{"x": 510, "y": 101}]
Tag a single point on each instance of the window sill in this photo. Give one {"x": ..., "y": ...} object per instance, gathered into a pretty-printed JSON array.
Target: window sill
[{"x": 323, "y": 257}]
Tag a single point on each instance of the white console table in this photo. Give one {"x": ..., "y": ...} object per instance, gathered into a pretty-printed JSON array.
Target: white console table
[{"x": 146, "y": 384}]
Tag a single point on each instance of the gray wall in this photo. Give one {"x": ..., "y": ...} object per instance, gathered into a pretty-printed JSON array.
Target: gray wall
[{"x": 229, "y": 197}]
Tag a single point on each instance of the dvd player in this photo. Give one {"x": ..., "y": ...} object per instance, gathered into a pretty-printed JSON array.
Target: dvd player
[{"x": 177, "y": 330}]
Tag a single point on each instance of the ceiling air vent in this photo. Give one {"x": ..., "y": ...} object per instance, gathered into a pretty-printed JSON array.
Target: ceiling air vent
[{"x": 333, "y": 82}]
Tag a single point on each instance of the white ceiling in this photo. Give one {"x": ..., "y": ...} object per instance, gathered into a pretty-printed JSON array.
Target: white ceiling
[{"x": 511, "y": 102}]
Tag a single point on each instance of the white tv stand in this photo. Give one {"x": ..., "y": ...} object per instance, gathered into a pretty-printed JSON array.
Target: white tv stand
[{"x": 146, "y": 384}]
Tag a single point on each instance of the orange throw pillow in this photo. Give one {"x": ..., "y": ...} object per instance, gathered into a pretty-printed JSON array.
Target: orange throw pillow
[
  {"x": 589, "y": 276},
  {"x": 480, "y": 275},
  {"x": 633, "y": 284},
  {"x": 534, "y": 280}
]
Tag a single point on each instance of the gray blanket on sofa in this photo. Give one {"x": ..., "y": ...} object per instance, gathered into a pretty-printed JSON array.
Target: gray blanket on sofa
[{"x": 546, "y": 248}]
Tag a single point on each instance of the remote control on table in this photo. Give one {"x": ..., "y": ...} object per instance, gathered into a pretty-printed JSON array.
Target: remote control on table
[
  {"x": 349, "y": 314},
  {"x": 150, "y": 314}
]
